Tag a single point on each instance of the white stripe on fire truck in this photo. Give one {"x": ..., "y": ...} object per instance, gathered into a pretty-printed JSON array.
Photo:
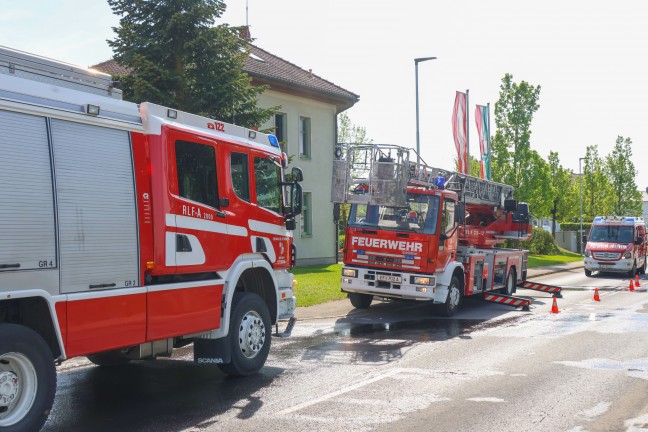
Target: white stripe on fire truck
[
  {"x": 365, "y": 262},
  {"x": 178, "y": 221},
  {"x": 384, "y": 254},
  {"x": 267, "y": 228}
]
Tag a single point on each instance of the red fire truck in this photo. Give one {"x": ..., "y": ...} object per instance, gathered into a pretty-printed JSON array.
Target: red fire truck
[
  {"x": 422, "y": 233},
  {"x": 127, "y": 231}
]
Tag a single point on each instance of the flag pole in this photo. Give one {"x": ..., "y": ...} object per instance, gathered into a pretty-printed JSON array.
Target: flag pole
[
  {"x": 489, "y": 174},
  {"x": 467, "y": 135}
]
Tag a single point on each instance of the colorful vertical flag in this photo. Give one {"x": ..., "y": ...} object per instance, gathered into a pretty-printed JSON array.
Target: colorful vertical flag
[
  {"x": 460, "y": 131},
  {"x": 482, "y": 118}
]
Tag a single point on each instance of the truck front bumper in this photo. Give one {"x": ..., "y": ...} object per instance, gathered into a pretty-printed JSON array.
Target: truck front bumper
[
  {"x": 623, "y": 265},
  {"x": 368, "y": 281}
]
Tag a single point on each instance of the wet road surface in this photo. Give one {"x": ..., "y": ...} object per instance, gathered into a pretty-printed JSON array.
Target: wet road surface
[{"x": 397, "y": 367}]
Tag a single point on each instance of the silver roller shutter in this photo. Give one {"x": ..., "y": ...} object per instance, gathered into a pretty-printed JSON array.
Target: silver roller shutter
[
  {"x": 27, "y": 234},
  {"x": 96, "y": 207}
]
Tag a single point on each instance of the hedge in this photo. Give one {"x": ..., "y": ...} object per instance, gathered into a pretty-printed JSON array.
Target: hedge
[
  {"x": 575, "y": 226},
  {"x": 541, "y": 243}
]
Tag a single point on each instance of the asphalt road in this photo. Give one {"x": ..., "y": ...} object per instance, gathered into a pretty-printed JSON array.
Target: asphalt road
[{"x": 397, "y": 367}]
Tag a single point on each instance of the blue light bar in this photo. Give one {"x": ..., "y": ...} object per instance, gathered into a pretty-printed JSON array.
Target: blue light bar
[
  {"x": 273, "y": 141},
  {"x": 409, "y": 257},
  {"x": 360, "y": 252},
  {"x": 439, "y": 182},
  {"x": 630, "y": 219}
]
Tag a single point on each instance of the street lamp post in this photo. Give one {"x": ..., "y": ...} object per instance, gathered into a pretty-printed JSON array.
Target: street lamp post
[
  {"x": 580, "y": 184},
  {"x": 418, "y": 142}
]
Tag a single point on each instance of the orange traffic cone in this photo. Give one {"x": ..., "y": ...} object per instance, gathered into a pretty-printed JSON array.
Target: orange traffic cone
[
  {"x": 554, "y": 306},
  {"x": 596, "y": 295},
  {"x": 636, "y": 280},
  {"x": 630, "y": 286}
]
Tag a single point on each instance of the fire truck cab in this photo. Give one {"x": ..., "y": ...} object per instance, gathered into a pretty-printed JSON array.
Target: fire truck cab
[
  {"x": 129, "y": 230},
  {"x": 616, "y": 244}
]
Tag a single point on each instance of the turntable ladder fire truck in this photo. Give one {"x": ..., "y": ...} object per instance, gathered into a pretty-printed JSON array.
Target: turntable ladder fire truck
[
  {"x": 422, "y": 233},
  {"x": 129, "y": 230}
]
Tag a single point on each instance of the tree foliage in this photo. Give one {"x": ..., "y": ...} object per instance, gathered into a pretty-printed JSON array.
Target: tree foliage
[
  {"x": 511, "y": 149},
  {"x": 626, "y": 199},
  {"x": 565, "y": 189},
  {"x": 349, "y": 132},
  {"x": 180, "y": 58},
  {"x": 597, "y": 189}
]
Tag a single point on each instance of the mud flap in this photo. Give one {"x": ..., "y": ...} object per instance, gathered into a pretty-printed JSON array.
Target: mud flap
[
  {"x": 212, "y": 351},
  {"x": 289, "y": 328}
]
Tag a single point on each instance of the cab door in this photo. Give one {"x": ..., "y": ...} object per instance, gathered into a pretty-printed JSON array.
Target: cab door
[{"x": 447, "y": 247}]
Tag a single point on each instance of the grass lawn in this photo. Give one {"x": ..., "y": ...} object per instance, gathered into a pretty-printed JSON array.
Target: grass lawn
[{"x": 320, "y": 284}]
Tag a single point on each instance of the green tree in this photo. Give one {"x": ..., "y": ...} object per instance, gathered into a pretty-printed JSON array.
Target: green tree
[
  {"x": 349, "y": 132},
  {"x": 179, "y": 58},
  {"x": 626, "y": 199},
  {"x": 475, "y": 171},
  {"x": 597, "y": 189},
  {"x": 511, "y": 148},
  {"x": 565, "y": 189}
]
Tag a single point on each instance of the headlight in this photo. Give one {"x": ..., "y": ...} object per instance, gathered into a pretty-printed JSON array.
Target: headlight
[
  {"x": 350, "y": 272},
  {"x": 588, "y": 254},
  {"x": 627, "y": 255},
  {"x": 422, "y": 280}
]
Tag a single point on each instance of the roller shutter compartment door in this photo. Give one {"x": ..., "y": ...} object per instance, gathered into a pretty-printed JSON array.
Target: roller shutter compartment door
[
  {"x": 96, "y": 207},
  {"x": 27, "y": 233}
]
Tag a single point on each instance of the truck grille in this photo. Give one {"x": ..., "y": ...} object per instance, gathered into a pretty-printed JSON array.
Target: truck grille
[{"x": 606, "y": 255}]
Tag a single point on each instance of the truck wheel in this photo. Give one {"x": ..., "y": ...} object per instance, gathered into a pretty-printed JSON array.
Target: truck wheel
[
  {"x": 27, "y": 379},
  {"x": 509, "y": 289},
  {"x": 108, "y": 359},
  {"x": 588, "y": 273},
  {"x": 249, "y": 335},
  {"x": 642, "y": 270},
  {"x": 453, "y": 301},
  {"x": 360, "y": 301}
]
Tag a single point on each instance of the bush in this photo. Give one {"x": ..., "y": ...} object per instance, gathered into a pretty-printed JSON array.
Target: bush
[{"x": 541, "y": 243}]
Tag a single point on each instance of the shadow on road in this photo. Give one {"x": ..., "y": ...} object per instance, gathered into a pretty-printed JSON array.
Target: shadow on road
[{"x": 156, "y": 396}]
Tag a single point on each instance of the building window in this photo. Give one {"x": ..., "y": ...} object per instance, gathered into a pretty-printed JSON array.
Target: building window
[
  {"x": 307, "y": 215},
  {"x": 305, "y": 137},
  {"x": 240, "y": 175},
  {"x": 196, "y": 166},
  {"x": 280, "y": 131},
  {"x": 267, "y": 176}
]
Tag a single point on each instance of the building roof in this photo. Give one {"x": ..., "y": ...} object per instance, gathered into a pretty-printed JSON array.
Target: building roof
[{"x": 280, "y": 75}]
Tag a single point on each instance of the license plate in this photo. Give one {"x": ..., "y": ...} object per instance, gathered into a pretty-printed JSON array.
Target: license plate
[{"x": 388, "y": 278}]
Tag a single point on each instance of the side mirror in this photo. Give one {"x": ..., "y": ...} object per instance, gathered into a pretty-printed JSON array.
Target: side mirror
[
  {"x": 584, "y": 239},
  {"x": 336, "y": 212},
  {"x": 510, "y": 205},
  {"x": 639, "y": 241},
  {"x": 297, "y": 174},
  {"x": 460, "y": 214},
  {"x": 291, "y": 225}
]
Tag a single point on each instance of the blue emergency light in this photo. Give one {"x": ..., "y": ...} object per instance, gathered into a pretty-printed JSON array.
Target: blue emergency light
[
  {"x": 273, "y": 141},
  {"x": 439, "y": 182}
]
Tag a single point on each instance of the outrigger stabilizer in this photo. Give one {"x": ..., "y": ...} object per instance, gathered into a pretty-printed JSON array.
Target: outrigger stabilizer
[
  {"x": 509, "y": 300},
  {"x": 552, "y": 289}
]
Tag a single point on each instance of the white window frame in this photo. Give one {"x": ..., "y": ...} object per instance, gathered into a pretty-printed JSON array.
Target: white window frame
[
  {"x": 307, "y": 215},
  {"x": 305, "y": 141}
]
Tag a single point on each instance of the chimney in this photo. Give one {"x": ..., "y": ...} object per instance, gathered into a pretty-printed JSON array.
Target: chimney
[{"x": 245, "y": 33}]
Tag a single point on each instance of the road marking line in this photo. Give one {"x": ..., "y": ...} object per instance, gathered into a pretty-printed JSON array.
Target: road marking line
[{"x": 340, "y": 392}]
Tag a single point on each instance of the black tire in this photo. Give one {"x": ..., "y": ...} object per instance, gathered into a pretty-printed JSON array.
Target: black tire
[
  {"x": 509, "y": 288},
  {"x": 360, "y": 301},
  {"x": 588, "y": 273},
  {"x": 25, "y": 355},
  {"x": 454, "y": 298},
  {"x": 249, "y": 335},
  {"x": 633, "y": 270},
  {"x": 642, "y": 270},
  {"x": 109, "y": 359}
]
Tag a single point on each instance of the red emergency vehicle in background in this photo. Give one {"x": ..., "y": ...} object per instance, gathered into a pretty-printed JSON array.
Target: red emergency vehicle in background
[
  {"x": 127, "y": 231},
  {"x": 616, "y": 244},
  {"x": 422, "y": 233}
]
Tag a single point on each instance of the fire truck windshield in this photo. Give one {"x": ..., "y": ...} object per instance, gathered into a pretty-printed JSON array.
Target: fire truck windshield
[
  {"x": 611, "y": 234},
  {"x": 420, "y": 215}
]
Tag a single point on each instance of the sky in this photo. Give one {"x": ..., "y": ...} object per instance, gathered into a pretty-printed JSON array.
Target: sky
[{"x": 589, "y": 57}]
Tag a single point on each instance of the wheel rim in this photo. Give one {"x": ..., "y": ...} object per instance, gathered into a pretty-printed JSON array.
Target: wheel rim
[
  {"x": 453, "y": 297},
  {"x": 252, "y": 334},
  {"x": 18, "y": 387},
  {"x": 509, "y": 284}
]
